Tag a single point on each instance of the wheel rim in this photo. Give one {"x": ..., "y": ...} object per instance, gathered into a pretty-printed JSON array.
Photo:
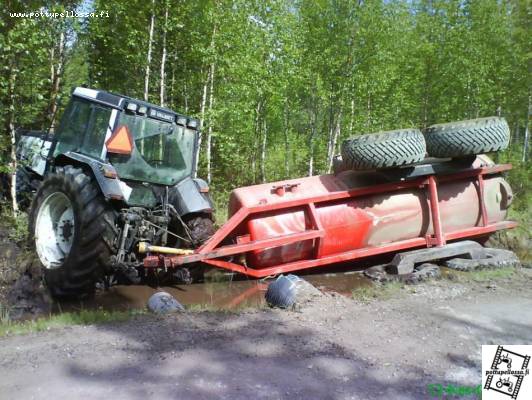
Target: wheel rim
[{"x": 54, "y": 230}]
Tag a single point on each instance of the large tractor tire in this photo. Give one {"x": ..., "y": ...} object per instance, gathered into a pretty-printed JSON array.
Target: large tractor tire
[
  {"x": 200, "y": 228},
  {"x": 384, "y": 149},
  {"x": 466, "y": 138},
  {"x": 73, "y": 229}
]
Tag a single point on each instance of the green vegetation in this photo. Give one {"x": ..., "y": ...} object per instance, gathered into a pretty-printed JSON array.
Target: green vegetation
[
  {"x": 376, "y": 291},
  {"x": 277, "y": 84},
  {"x": 482, "y": 275},
  {"x": 16, "y": 225},
  {"x": 84, "y": 317}
]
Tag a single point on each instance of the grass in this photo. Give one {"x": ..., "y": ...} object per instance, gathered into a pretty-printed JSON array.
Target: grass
[
  {"x": 16, "y": 227},
  {"x": 84, "y": 317},
  {"x": 377, "y": 291},
  {"x": 482, "y": 275}
]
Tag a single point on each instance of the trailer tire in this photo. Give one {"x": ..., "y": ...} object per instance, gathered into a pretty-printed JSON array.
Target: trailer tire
[
  {"x": 384, "y": 149},
  {"x": 69, "y": 208},
  {"x": 466, "y": 138},
  {"x": 25, "y": 188},
  {"x": 421, "y": 273},
  {"x": 496, "y": 258}
]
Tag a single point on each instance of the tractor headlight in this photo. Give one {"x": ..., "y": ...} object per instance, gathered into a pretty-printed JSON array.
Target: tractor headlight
[
  {"x": 132, "y": 107},
  {"x": 192, "y": 123}
]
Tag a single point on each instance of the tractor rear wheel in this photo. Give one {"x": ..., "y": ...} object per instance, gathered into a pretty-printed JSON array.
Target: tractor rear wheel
[
  {"x": 200, "y": 228},
  {"x": 384, "y": 149},
  {"x": 73, "y": 229},
  {"x": 465, "y": 138}
]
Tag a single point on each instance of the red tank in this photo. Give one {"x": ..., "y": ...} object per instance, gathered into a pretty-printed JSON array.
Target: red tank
[{"x": 363, "y": 221}]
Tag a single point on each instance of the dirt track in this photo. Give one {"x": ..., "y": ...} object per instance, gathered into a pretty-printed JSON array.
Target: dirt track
[{"x": 335, "y": 348}]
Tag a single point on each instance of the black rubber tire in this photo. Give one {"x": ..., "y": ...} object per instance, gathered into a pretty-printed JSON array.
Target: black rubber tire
[
  {"x": 282, "y": 292},
  {"x": 201, "y": 228},
  {"x": 94, "y": 233},
  {"x": 421, "y": 273},
  {"x": 25, "y": 188},
  {"x": 496, "y": 258},
  {"x": 384, "y": 149},
  {"x": 466, "y": 138}
]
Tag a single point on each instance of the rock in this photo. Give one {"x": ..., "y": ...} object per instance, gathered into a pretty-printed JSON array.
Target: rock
[{"x": 164, "y": 303}]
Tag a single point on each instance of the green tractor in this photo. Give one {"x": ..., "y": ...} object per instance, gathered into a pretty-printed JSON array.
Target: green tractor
[{"x": 117, "y": 172}]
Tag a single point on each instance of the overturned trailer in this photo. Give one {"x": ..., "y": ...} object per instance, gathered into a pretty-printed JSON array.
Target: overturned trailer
[{"x": 322, "y": 220}]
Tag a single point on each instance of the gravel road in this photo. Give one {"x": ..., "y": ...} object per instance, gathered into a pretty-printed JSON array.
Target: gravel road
[{"x": 332, "y": 348}]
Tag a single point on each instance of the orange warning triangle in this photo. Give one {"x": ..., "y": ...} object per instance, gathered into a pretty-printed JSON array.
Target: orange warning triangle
[{"x": 120, "y": 141}]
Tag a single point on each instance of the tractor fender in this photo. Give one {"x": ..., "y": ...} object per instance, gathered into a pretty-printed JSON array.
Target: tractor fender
[
  {"x": 191, "y": 196},
  {"x": 104, "y": 173}
]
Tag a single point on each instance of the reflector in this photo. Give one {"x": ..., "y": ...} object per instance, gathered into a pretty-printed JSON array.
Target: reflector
[{"x": 120, "y": 141}]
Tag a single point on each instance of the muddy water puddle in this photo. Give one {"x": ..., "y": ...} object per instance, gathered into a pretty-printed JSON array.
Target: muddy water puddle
[{"x": 222, "y": 294}]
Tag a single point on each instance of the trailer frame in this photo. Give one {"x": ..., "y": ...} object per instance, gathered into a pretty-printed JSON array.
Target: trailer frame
[{"x": 213, "y": 251}]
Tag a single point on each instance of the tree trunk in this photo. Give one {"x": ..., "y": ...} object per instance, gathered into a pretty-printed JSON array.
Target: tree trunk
[
  {"x": 527, "y": 129},
  {"x": 211, "y": 123},
  {"x": 13, "y": 144},
  {"x": 263, "y": 150},
  {"x": 255, "y": 141},
  {"x": 163, "y": 57},
  {"x": 203, "y": 104},
  {"x": 286, "y": 141},
  {"x": 335, "y": 137},
  {"x": 352, "y": 118},
  {"x": 311, "y": 143},
  {"x": 57, "y": 72},
  {"x": 368, "y": 121},
  {"x": 185, "y": 89},
  {"x": 330, "y": 133},
  {"x": 204, "y": 100},
  {"x": 148, "y": 56}
]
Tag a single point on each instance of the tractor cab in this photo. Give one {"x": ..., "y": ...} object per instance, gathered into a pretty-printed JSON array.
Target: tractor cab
[{"x": 145, "y": 144}]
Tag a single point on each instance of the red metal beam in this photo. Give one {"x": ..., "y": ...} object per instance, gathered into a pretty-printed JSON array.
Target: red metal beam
[
  {"x": 481, "y": 230},
  {"x": 482, "y": 202},
  {"x": 435, "y": 211},
  {"x": 232, "y": 249},
  {"x": 354, "y": 254},
  {"x": 316, "y": 224},
  {"x": 225, "y": 230}
]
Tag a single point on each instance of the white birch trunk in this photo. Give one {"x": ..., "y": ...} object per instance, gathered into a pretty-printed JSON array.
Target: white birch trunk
[
  {"x": 163, "y": 58},
  {"x": 311, "y": 144},
  {"x": 263, "y": 151},
  {"x": 203, "y": 104},
  {"x": 211, "y": 123},
  {"x": 335, "y": 137},
  {"x": 57, "y": 72},
  {"x": 256, "y": 141},
  {"x": 13, "y": 145},
  {"x": 148, "y": 56},
  {"x": 286, "y": 142},
  {"x": 527, "y": 129}
]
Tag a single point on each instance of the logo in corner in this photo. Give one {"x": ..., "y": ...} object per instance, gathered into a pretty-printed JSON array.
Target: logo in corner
[{"x": 505, "y": 372}]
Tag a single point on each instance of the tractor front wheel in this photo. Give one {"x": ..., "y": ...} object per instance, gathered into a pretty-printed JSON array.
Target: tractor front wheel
[{"x": 73, "y": 230}]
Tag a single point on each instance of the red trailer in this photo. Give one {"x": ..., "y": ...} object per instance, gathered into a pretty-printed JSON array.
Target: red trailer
[{"x": 322, "y": 220}]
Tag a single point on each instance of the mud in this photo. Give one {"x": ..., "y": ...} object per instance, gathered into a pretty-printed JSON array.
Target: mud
[{"x": 221, "y": 294}]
